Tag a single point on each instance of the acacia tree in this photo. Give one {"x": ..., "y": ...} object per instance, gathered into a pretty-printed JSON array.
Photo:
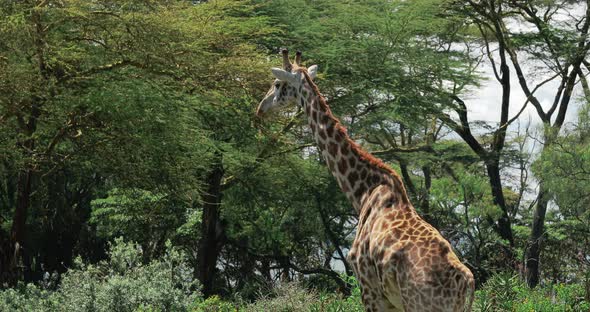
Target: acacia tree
[
  {"x": 565, "y": 168},
  {"x": 54, "y": 54},
  {"x": 560, "y": 47},
  {"x": 119, "y": 81}
]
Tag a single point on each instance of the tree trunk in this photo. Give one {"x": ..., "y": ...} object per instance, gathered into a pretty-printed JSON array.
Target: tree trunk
[
  {"x": 61, "y": 229},
  {"x": 534, "y": 251},
  {"x": 425, "y": 197},
  {"x": 503, "y": 227},
  {"x": 533, "y": 254},
  {"x": 211, "y": 231},
  {"x": 17, "y": 266},
  {"x": 5, "y": 259}
]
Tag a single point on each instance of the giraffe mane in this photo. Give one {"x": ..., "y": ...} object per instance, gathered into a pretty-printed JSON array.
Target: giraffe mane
[{"x": 363, "y": 154}]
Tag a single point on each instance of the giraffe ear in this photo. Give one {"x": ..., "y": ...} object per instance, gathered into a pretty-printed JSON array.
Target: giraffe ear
[
  {"x": 313, "y": 71},
  {"x": 283, "y": 75}
]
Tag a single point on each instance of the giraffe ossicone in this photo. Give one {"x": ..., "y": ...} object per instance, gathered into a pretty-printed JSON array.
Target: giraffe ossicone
[{"x": 402, "y": 263}]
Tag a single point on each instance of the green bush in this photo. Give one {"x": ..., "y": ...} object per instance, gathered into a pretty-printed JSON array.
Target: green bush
[
  {"x": 504, "y": 292},
  {"x": 292, "y": 297},
  {"x": 121, "y": 283},
  {"x": 29, "y": 298},
  {"x": 288, "y": 297},
  {"x": 215, "y": 304},
  {"x": 124, "y": 283}
]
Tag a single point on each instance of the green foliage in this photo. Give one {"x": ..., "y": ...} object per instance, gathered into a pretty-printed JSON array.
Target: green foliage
[
  {"x": 285, "y": 298},
  {"x": 29, "y": 298},
  {"x": 123, "y": 282},
  {"x": 564, "y": 166},
  {"x": 335, "y": 303},
  {"x": 215, "y": 304},
  {"x": 292, "y": 297},
  {"x": 140, "y": 216},
  {"x": 460, "y": 207},
  {"x": 504, "y": 292},
  {"x": 133, "y": 97}
]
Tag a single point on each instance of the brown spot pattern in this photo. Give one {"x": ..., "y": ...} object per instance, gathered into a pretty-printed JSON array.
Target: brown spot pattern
[
  {"x": 342, "y": 166},
  {"x": 333, "y": 149}
]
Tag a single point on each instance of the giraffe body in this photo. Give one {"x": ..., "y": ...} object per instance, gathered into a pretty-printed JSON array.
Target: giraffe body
[{"x": 402, "y": 263}]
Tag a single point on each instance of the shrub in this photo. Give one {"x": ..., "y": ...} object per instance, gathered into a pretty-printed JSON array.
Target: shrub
[
  {"x": 504, "y": 292},
  {"x": 337, "y": 303},
  {"x": 215, "y": 304},
  {"x": 288, "y": 297},
  {"x": 121, "y": 283},
  {"x": 293, "y": 297},
  {"x": 29, "y": 298}
]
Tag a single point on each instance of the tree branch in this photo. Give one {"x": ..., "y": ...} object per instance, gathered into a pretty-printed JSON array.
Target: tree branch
[{"x": 527, "y": 101}]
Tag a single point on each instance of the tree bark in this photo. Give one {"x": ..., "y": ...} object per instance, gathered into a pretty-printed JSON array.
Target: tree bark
[
  {"x": 534, "y": 251},
  {"x": 211, "y": 231},
  {"x": 503, "y": 227},
  {"x": 425, "y": 197},
  {"x": 17, "y": 265},
  {"x": 61, "y": 230}
]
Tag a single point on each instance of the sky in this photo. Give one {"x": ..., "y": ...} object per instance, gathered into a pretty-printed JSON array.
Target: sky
[{"x": 483, "y": 103}]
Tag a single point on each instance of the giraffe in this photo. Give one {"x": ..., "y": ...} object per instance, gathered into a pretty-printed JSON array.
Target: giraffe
[{"x": 402, "y": 263}]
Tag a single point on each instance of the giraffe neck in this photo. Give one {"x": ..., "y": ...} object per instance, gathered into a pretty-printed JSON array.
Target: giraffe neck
[{"x": 356, "y": 171}]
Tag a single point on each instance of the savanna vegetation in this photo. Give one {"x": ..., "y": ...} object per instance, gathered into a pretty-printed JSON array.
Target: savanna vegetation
[{"x": 134, "y": 175}]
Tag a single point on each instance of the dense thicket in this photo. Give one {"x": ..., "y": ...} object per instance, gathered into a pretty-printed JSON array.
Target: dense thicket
[{"x": 135, "y": 119}]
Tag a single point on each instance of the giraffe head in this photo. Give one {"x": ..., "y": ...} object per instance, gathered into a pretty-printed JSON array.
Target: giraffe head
[{"x": 287, "y": 86}]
